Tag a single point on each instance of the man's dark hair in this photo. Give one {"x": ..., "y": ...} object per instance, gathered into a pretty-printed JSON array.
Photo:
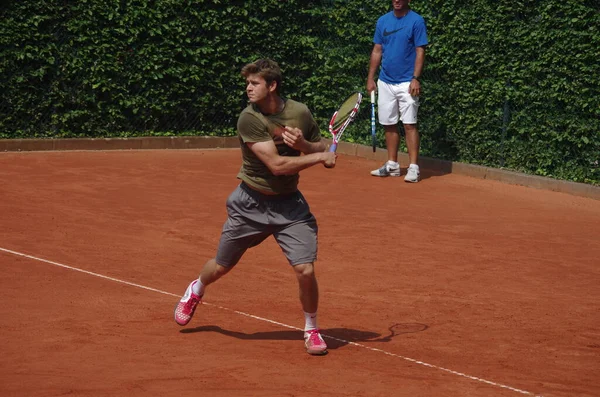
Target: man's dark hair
[{"x": 267, "y": 69}]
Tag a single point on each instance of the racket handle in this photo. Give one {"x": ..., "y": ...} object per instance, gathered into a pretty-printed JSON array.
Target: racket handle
[
  {"x": 333, "y": 147},
  {"x": 373, "y": 96}
]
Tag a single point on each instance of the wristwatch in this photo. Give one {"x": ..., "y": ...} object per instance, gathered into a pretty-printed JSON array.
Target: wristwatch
[{"x": 416, "y": 78}]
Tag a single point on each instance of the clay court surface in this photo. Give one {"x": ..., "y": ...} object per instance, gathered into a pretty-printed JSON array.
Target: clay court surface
[{"x": 454, "y": 286}]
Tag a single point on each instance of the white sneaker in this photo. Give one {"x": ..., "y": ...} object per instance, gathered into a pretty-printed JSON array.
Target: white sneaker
[
  {"x": 412, "y": 174},
  {"x": 388, "y": 169}
]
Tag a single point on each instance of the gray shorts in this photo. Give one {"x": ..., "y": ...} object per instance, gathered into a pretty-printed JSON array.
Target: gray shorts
[{"x": 253, "y": 216}]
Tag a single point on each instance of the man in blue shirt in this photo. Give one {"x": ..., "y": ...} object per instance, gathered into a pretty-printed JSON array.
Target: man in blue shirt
[{"x": 400, "y": 40}]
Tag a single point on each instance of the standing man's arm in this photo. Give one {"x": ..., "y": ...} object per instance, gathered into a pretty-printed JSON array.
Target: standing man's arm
[
  {"x": 373, "y": 67},
  {"x": 415, "y": 84}
]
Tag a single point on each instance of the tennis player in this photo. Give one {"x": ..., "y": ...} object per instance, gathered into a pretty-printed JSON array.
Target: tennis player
[{"x": 279, "y": 137}]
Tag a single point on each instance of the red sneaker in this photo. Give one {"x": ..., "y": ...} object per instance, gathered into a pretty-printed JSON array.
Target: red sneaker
[
  {"x": 187, "y": 305},
  {"x": 314, "y": 342}
]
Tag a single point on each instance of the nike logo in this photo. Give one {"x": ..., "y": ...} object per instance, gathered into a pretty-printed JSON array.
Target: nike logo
[{"x": 387, "y": 33}]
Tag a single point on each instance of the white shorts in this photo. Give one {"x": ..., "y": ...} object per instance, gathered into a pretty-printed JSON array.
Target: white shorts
[{"x": 395, "y": 103}]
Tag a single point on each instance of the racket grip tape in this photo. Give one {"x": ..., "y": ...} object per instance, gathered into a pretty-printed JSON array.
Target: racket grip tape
[
  {"x": 373, "y": 128},
  {"x": 333, "y": 147}
]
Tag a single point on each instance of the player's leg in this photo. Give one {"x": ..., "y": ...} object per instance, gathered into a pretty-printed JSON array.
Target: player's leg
[
  {"x": 409, "y": 107},
  {"x": 296, "y": 234},
  {"x": 242, "y": 229},
  {"x": 388, "y": 114},
  {"x": 210, "y": 273},
  {"x": 186, "y": 306},
  {"x": 309, "y": 299},
  {"x": 412, "y": 142},
  {"x": 392, "y": 141},
  {"x": 308, "y": 290}
]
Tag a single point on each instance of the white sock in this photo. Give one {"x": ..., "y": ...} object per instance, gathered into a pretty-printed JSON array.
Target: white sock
[
  {"x": 310, "y": 321},
  {"x": 415, "y": 166},
  {"x": 198, "y": 288},
  {"x": 393, "y": 164}
]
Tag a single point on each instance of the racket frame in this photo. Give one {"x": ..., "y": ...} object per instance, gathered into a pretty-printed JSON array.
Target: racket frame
[
  {"x": 373, "y": 127},
  {"x": 337, "y": 133}
]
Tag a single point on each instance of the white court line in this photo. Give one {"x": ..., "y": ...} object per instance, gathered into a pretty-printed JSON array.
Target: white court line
[{"x": 412, "y": 360}]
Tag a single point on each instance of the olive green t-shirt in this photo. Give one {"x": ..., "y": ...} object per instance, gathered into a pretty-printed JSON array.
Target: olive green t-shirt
[{"x": 253, "y": 126}]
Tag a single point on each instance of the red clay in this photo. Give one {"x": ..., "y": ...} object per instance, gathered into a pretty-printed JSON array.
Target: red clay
[{"x": 454, "y": 286}]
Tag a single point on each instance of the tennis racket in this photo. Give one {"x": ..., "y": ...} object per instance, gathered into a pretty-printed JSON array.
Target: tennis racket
[
  {"x": 342, "y": 117},
  {"x": 373, "y": 134}
]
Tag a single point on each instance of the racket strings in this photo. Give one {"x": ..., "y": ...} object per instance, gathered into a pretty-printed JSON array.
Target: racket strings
[
  {"x": 344, "y": 116},
  {"x": 340, "y": 119},
  {"x": 346, "y": 112}
]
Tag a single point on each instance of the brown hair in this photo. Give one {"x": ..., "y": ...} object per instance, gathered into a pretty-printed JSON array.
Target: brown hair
[{"x": 265, "y": 68}]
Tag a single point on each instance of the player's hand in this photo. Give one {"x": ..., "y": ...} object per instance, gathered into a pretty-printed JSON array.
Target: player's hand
[
  {"x": 371, "y": 86},
  {"x": 329, "y": 159},
  {"x": 414, "y": 88},
  {"x": 294, "y": 138}
]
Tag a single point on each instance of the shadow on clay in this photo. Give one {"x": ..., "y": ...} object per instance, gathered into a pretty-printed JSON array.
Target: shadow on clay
[{"x": 335, "y": 337}]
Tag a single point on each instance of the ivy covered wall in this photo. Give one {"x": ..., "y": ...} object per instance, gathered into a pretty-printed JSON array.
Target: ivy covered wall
[{"x": 506, "y": 84}]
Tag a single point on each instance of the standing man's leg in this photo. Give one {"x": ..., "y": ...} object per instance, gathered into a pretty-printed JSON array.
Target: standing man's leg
[
  {"x": 413, "y": 174},
  {"x": 388, "y": 114},
  {"x": 409, "y": 108},
  {"x": 392, "y": 141},
  {"x": 412, "y": 142}
]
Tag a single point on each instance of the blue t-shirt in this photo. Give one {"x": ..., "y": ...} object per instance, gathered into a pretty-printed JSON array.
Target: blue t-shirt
[{"x": 398, "y": 38}]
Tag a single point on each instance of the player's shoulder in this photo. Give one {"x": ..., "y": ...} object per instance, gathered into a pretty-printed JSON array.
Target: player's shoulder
[
  {"x": 385, "y": 17},
  {"x": 249, "y": 112},
  {"x": 250, "y": 116},
  {"x": 295, "y": 105},
  {"x": 416, "y": 16},
  {"x": 296, "y": 109}
]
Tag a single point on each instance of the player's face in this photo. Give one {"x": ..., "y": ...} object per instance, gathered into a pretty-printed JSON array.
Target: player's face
[
  {"x": 400, "y": 5},
  {"x": 257, "y": 88}
]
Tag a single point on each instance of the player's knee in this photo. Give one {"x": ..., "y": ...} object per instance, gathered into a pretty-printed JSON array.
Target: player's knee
[
  {"x": 410, "y": 127},
  {"x": 305, "y": 271},
  {"x": 221, "y": 270},
  {"x": 217, "y": 270}
]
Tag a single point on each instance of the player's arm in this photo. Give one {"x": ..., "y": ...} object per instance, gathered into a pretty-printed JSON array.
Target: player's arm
[
  {"x": 419, "y": 61},
  {"x": 306, "y": 139},
  {"x": 314, "y": 135},
  {"x": 374, "y": 63},
  {"x": 415, "y": 85},
  {"x": 289, "y": 165},
  {"x": 294, "y": 138}
]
